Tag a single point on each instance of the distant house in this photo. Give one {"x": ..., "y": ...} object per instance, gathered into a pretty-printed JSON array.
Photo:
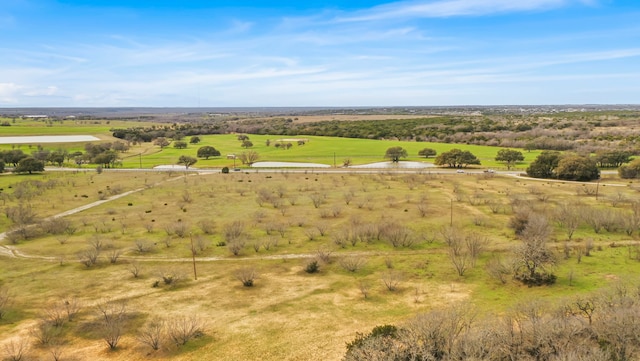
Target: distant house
[{"x": 231, "y": 156}]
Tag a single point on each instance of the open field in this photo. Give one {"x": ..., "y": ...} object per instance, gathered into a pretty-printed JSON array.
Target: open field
[
  {"x": 285, "y": 219},
  {"x": 326, "y": 150}
]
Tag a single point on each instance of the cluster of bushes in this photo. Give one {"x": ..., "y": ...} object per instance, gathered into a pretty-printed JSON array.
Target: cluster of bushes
[{"x": 602, "y": 327}]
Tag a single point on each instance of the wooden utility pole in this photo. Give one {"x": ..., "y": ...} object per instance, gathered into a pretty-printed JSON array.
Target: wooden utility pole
[{"x": 193, "y": 255}]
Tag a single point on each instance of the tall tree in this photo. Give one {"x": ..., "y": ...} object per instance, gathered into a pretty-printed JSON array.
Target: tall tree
[
  {"x": 577, "y": 168},
  {"x": 208, "y": 151},
  {"x": 187, "y": 161},
  {"x": 249, "y": 157},
  {"x": 427, "y": 152},
  {"x": 29, "y": 165},
  {"x": 456, "y": 158},
  {"x": 509, "y": 156},
  {"x": 544, "y": 165},
  {"x": 395, "y": 153}
]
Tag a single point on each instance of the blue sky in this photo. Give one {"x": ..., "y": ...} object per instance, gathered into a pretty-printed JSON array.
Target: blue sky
[{"x": 318, "y": 53}]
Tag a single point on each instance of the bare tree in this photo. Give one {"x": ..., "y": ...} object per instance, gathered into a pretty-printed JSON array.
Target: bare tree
[
  {"x": 498, "y": 269},
  {"x": 533, "y": 255},
  {"x": 568, "y": 216},
  {"x": 475, "y": 244}
]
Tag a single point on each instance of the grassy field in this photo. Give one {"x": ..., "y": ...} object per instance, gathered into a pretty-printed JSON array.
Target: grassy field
[
  {"x": 325, "y": 150},
  {"x": 289, "y": 314}
]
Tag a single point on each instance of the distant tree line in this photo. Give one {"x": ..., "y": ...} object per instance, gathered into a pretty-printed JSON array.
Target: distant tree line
[{"x": 561, "y": 132}]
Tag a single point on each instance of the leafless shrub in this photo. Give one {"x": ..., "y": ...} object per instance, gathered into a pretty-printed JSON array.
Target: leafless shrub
[
  {"x": 6, "y": 300},
  {"x": 97, "y": 243},
  {"x": 72, "y": 306},
  {"x": 364, "y": 287},
  {"x": 207, "y": 226},
  {"x": 57, "y": 225},
  {"x": 171, "y": 277},
  {"x": 180, "y": 229},
  {"x": 324, "y": 255},
  {"x": 152, "y": 333},
  {"x": 236, "y": 246},
  {"x": 56, "y": 350},
  {"x": 259, "y": 216},
  {"x": 588, "y": 247},
  {"x": 423, "y": 208},
  {"x": 200, "y": 244},
  {"x": 498, "y": 269},
  {"x": 341, "y": 238},
  {"x": 352, "y": 263},
  {"x": 16, "y": 349},
  {"x": 114, "y": 255},
  {"x": 281, "y": 228},
  {"x": 322, "y": 228},
  {"x": 55, "y": 314},
  {"x": 263, "y": 196},
  {"x": 475, "y": 244},
  {"x": 135, "y": 269},
  {"x": 149, "y": 227},
  {"x": 398, "y": 235},
  {"x": 311, "y": 233},
  {"x": 88, "y": 257},
  {"x": 143, "y": 246},
  {"x": 233, "y": 231},
  {"x": 317, "y": 198},
  {"x": 112, "y": 317},
  {"x": 186, "y": 197},
  {"x": 392, "y": 279},
  {"x": 348, "y": 197},
  {"x": 388, "y": 261},
  {"x": 246, "y": 275},
  {"x": 267, "y": 244},
  {"x": 44, "y": 333},
  {"x": 182, "y": 329}
]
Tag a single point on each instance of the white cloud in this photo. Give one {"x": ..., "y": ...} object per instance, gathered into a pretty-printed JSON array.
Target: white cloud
[
  {"x": 449, "y": 8},
  {"x": 9, "y": 93}
]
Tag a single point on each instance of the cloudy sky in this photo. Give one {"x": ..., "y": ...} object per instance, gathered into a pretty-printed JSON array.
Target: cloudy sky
[{"x": 318, "y": 53}]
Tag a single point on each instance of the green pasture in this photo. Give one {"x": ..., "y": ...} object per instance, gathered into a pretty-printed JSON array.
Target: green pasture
[{"x": 324, "y": 150}]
